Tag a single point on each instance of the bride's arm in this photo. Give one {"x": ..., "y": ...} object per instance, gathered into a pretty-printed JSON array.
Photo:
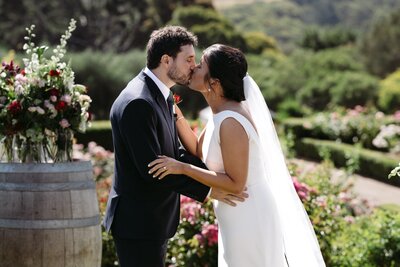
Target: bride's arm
[
  {"x": 235, "y": 153},
  {"x": 186, "y": 135}
]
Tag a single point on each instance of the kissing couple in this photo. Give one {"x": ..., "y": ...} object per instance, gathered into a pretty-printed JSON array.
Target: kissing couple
[{"x": 237, "y": 161}]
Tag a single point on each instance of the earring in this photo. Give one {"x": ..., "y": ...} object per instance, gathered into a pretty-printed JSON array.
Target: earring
[{"x": 209, "y": 89}]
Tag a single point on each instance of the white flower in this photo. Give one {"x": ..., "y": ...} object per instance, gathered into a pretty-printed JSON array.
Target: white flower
[
  {"x": 40, "y": 110},
  {"x": 42, "y": 83},
  {"x": 85, "y": 98},
  {"x": 53, "y": 98},
  {"x": 18, "y": 89},
  {"x": 21, "y": 79},
  {"x": 32, "y": 109}
]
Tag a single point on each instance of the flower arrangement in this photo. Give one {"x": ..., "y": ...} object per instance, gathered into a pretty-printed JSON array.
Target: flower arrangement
[{"x": 41, "y": 107}]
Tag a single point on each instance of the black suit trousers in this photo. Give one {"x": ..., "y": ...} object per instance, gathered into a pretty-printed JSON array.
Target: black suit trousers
[{"x": 141, "y": 252}]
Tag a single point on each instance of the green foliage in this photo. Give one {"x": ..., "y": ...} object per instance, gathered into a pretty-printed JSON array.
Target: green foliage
[
  {"x": 196, "y": 241},
  {"x": 370, "y": 241},
  {"x": 99, "y": 132},
  {"x": 364, "y": 126},
  {"x": 329, "y": 204},
  {"x": 275, "y": 75},
  {"x": 332, "y": 77},
  {"x": 105, "y": 75},
  {"x": 371, "y": 163},
  {"x": 102, "y": 25},
  {"x": 353, "y": 88},
  {"x": 334, "y": 211},
  {"x": 279, "y": 19},
  {"x": 316, "y": 39},
  {"x": 292, "y": 108},
  {"x": 108, "y": 256},
  {"x": 287, "y": 21},
  {"x": 381, "y": 44},
  {"x": 258, "y": 42},
  {"x": 208, "y": 25},
  {"x": 389, "y": 92}
]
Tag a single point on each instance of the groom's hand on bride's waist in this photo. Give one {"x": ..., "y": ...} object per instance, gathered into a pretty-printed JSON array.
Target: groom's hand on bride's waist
[{"x": 227, "y": 197}]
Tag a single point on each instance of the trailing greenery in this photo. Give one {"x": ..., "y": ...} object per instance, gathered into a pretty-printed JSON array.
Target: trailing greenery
[{"x": 372, "y": 164}]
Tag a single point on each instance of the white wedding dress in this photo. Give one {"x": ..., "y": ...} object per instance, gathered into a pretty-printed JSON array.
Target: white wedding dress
[{"x": 250, "y": 233}]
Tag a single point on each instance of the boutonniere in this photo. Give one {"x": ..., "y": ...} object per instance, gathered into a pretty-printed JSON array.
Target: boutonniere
[{"x": 177, "y": 99}]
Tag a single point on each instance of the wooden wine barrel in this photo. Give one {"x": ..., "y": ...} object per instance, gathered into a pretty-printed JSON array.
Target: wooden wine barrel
[{"x": 49, "y": 215}]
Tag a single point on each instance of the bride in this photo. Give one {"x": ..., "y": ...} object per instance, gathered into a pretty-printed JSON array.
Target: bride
[{"x": 241, "y": 150}]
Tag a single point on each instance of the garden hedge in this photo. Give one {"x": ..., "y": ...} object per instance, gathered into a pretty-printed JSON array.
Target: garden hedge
[
  {"x": 372, "y": 164},
  {"x": 99, "y": 132}
]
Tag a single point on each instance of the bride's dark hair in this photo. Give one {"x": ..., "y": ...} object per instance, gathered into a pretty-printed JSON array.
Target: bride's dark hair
[{"x": 229, "y": 66}]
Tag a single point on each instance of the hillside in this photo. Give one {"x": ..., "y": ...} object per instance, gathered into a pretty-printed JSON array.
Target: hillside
[
  {"x": 286, "y": 20},
  {"x": 222, "y": 4}
]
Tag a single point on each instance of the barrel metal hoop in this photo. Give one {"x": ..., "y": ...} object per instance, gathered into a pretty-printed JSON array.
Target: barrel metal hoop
[
  {"x": 42, "y": 187},
  {"x": 50, "y": 224},
  {"x": 68, "y": 167}
]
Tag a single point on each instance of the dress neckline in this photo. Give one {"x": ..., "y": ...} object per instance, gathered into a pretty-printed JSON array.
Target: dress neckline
[{"x": 240, "y": 115}]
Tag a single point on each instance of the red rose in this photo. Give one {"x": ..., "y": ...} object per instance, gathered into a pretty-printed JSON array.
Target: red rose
[
  {"x": 61, "y": 105},
  {"x": 54, "y": 91},
  {"x": 53, "y": 73},
  {"x": 14, "y": 107},
  {"x": 177, "y": 99}
]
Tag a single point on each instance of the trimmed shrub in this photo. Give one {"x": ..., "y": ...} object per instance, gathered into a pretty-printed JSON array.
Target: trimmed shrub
[
  {"x": 389, "y": 93},
  {"x": 257, "y": 42},
  {"x": 372, "y": 164},
  {"x": 99, "y": 132},
  {"x": 353, "y": 88}
]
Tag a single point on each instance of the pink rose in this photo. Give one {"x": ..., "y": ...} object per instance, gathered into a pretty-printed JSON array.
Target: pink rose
[{"x": 64, "y": 123}]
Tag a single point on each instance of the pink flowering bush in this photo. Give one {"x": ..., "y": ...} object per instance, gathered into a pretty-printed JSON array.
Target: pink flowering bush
[
  {"x": 366, "y": 126},
  {"x": 196, "y": 241},
  {"x": 331, "y": 205},
  {"x": 41, "y": 107},
  {"x": 336, "y": 213}
]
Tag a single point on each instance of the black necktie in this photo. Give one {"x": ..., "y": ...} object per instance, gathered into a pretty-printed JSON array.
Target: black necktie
[{"x": 170, "y": 102}]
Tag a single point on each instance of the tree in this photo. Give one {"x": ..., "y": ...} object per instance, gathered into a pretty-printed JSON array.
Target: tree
[
  {"x": 210, "y": 26},
  {"x": 109, "y": 24},
  {"x": 389, "y": 93},
  {"x": 116, "y": 25},
  {"x": 319, "y": 39},
  {"x": 381, "y": 45}
]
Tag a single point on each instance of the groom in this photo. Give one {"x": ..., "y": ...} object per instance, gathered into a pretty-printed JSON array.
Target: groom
[{"x": 143, "y": 212}]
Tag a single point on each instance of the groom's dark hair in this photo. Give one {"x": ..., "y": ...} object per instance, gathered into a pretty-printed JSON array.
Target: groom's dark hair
[{"x": 167, "y": 41}]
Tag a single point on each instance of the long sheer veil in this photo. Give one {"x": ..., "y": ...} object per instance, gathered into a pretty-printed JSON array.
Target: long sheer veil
[{"x": 301, "y": 245}]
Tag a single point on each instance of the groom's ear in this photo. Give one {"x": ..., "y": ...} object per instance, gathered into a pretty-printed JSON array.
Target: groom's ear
[{"x": 165, "y": 59}]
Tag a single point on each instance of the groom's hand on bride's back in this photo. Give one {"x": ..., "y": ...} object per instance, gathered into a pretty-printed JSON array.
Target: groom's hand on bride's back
[{"x": 227, "y": 197}]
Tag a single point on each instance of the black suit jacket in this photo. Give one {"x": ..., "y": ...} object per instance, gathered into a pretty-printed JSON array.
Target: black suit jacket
[{"x": 140, "y": 206}]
